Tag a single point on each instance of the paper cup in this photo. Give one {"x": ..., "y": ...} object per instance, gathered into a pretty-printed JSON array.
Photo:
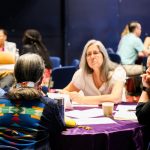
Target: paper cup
[{"x": 108, "y": 108}]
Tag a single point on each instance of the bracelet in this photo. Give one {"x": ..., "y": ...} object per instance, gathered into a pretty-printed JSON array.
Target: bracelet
[{"x": 146, "y": 89}]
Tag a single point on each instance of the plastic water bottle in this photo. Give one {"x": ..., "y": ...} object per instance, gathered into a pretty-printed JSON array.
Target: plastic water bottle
[{"x": 60, "y": 102}]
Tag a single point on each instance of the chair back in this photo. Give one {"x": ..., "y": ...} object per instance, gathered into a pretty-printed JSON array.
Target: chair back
[
  {"x": 61, "y": 76},
  {"x": 114, "y": 57},
  {"x": 76, "y": 63},
  {"x": 56, "y": 61}
]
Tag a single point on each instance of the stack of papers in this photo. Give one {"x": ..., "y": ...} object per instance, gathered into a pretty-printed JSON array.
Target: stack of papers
[
  {"x": 89, "y": 113},
  {"x": 87, "y": 117},
  {"x": 126, "y": 107},
  {"x": 125, "y": 112},
  {"x": 125, "y": 115},
  {"x": 85, "y": 121},
  {"x": 75, "y": 104}
]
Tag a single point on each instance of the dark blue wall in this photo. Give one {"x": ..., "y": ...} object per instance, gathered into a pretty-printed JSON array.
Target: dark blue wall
[
  {"x": 43, "y": 15},
  {"x": 103, "y": 20},
  {"x": 66, "y": 25}
]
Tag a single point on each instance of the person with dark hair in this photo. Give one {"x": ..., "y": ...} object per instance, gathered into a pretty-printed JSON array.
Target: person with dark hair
[
  {"x": 33, "y": 43},
  {"x": 143, "y": 107},
  {"x": 28, "y": 119}
]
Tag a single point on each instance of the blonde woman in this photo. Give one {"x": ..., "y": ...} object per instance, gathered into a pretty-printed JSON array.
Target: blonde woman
[{"x": 94, "y": 77}]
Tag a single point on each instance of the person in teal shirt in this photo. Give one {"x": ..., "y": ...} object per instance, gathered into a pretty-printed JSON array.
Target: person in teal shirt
[{"x": 131, "y": 46}]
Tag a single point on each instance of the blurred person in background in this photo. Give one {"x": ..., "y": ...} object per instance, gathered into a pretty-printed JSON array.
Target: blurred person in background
[
  {"x": 131, "y": 46},
  {"x": 5, "y": 45},
  {"x": 33, "y": 43},
  {"x": 8, "y": 55}
]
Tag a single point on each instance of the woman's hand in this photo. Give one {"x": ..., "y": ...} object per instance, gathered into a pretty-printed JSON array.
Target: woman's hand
[{"x": 146, "y": 80}]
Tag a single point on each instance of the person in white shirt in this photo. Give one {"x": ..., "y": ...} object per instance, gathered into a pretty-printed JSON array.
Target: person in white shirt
[
  {"x": 95, "y": 78},
  {"x": 6, "y": 46},
  {"x": 9, "y": 50}
]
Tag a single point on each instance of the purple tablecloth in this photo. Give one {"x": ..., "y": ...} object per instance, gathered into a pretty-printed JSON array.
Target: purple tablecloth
[{"x": 125, "y": 135}]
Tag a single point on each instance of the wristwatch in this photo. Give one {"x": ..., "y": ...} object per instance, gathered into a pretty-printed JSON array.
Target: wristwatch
[{"x": 146, "y": 89}]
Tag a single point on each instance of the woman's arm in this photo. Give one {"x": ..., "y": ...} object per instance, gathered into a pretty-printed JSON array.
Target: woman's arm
[
  {"x": 115, "y": 96},
  {"x": 143, "y": 107},
  {"x": 144, "y": 97},
  {"x": 71, "y": 87}
]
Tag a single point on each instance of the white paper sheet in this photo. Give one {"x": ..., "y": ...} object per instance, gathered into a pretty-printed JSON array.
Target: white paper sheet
[
  {"x": 81, "y": 105},
  {"x": 126, "y": 107},
  {"x": 125, "y": 115},
  {"x": 88, "y": 121},
  {"x": 95, "y": 112},
  {"x": 7, "y": 67}
]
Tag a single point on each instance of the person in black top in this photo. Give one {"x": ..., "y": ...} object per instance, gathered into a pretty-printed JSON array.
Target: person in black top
[
  {"x": 33, "y": 43},
  {"x": 143, "y": 107}
]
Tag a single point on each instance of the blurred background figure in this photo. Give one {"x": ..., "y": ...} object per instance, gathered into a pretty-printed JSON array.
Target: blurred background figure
[
  {"x": 131, "y": 46},
  {"x": 5, "y": 45},
  {"x": 8, "y": 55},
  {"x": 32, "y": 43}
]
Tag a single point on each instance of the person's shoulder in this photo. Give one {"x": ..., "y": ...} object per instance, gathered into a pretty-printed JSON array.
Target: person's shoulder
[
  {"x": 10, "y": 43},
  {"x": 134, "y": 37},
  {"x": 4, "y": 101},
  {"x": 79, "y": 72},
  {"x": 119, "y": 68},
  {"x": 48, "y": 101},
  {"x": 119, "y": 73}
]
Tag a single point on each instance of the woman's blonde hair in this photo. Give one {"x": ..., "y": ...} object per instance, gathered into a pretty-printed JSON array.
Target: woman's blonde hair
[
  {"x": 125, "y": 31},
  {"x": 28, "y": 68},
  {"x": 130, "y": 27},
  {"x": 104, "y": 69}
]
